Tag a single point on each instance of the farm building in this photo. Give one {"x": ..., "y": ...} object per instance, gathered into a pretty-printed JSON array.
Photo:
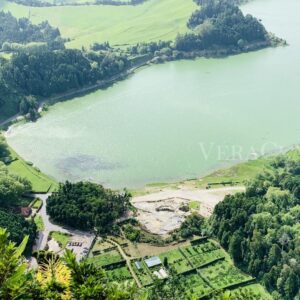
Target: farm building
[
  {"x": 153, "y": 261},
  {"x": 138, "y": 265}
]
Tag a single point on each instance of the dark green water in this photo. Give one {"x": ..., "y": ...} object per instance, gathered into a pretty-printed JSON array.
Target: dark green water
[{"x": 177, "y": 120}]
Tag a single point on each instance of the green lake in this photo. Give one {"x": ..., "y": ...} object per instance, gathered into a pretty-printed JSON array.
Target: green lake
[{"x": 177, "y": 120}]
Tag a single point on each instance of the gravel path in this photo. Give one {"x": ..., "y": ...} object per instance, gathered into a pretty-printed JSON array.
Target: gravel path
[{"x": 77, "y": 235}]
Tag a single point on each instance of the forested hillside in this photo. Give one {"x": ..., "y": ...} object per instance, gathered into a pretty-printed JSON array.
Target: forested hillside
[
  {"x": 221, "y": 24},
  {"x": 217, "y": 28},
  {"x": 261, "y": 231},
  {"x": 29, "y": 76},
  {"x": 12, "y": 188}
]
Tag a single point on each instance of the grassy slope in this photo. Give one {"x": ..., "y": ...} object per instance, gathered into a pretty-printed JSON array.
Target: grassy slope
[
  {"x": 41, "y": 183},
  {"x": 39, "y": 223},
  {"x": 62, "y": 238},
  {"x": 239, "y": 174},
  {"x": 244, "y": 171},
  {"x": 152, "y": 21}
]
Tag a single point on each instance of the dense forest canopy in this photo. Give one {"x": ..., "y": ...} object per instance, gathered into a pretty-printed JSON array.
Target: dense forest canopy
[
  {"x": 28, "y": 76},
  {"x": 219, "y": 22},
  {"x": 47, "y": 73},
  {"x": 86, "y": 206},
  {"x": 260, "y": 228},
  {"x": 22, "y": 31},
  {"x": 18, "y": 227}
]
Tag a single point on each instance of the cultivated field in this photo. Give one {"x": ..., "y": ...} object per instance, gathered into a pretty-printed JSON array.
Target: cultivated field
[
  {"x": 152, "y": 21},
  {"x": 203, "y": 266}
]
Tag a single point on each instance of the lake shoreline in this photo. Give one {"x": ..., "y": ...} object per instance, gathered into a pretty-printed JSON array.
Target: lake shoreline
[{"x": 218, "y": 53}]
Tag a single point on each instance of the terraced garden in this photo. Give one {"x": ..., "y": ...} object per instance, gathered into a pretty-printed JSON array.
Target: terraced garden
[
  {"x": 143, "y": 273},
  {"x": 106, "y": 259},
  {"x": 204, "y": 267},
  {"x": 120, "y": 273}
]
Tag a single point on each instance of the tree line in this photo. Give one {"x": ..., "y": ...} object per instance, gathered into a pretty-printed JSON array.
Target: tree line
[
  {"x": 87, "y": 206},
  {"x": 260, "y": 228},
  {"x": 12, "y": 188},
  {"x": 29, "y": 76},
  {"x": 221, "y": 23},
  {"x": 22, "y": 31}
]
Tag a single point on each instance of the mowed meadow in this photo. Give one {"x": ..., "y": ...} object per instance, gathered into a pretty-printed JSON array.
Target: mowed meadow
[{"x": 153, "y": 20}]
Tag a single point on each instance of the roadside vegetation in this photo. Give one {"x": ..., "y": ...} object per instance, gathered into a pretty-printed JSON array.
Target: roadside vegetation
[
  {"x": 55, "y": 278},
  {"x": 39, "y": 223},
  {"x": 12, "y": 189}
]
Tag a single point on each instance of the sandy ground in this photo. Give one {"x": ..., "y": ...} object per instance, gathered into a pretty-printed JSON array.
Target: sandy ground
[
  {"x": 146, "y": 249},
  {"x": 54, "y": 246},
  {"x": 160, "y": 212}
]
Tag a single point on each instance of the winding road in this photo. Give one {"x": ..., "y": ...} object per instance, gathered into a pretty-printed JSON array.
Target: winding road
[{"x": 49, "y": 226}]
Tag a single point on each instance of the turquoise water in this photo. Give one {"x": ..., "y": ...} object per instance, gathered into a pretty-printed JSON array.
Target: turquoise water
[{"x": 177, "y": 120}]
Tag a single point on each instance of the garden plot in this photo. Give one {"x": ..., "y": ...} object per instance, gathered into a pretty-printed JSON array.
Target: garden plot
[
  {"x": 206, "y": 258},
  {"x": 198, "y": 247},
  {"x": 250, "y": 292},
  {"x": 142, "y": 272},
  {"x": 223, "y": 274},
  {"x": 196, "y": 285},
  {"x": 176, "y": 260},
  {"x": 106, "y": 259},
  {"x": 119, "y": 274},
  {"x": 102, "y": 246}
]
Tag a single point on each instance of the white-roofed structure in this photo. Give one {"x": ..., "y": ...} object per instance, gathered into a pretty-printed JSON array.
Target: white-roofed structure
[{"x": 153, "y": 261}]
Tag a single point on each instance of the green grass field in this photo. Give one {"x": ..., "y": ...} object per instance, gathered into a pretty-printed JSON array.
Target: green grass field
[
  {"x": 194, "y": 205},
  {"x": 39, "y": 223},
  {"x": 237, "y": 173},
  {"x": 37, "y": 204},
  {"x": 152, "y": 21},
  {"x": 62, "y": 238},
  {"x": 106, "y": 259},
  {"x": 119, "y": 274},
  {"x": 41, "y": 183}
]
